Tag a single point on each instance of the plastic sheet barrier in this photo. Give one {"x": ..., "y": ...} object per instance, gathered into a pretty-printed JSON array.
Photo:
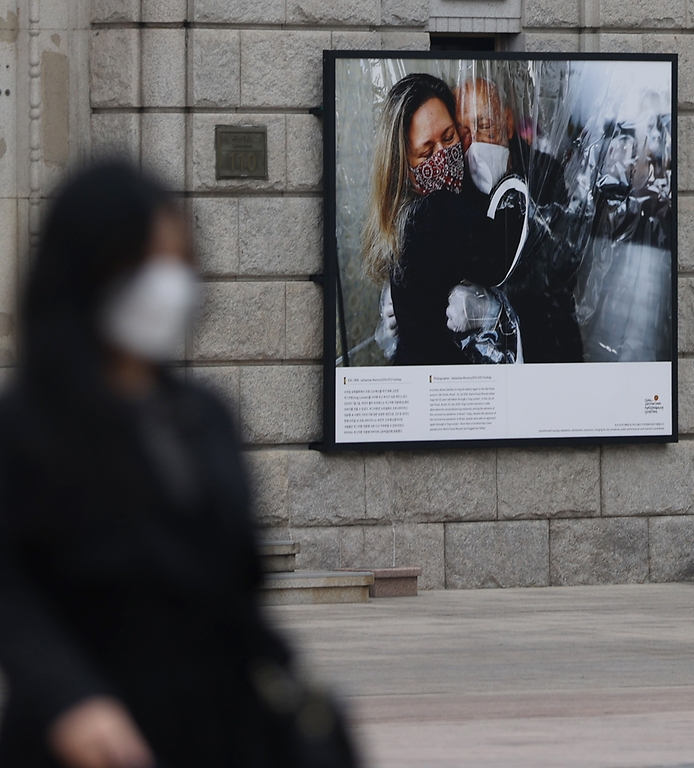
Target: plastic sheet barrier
[{"x": 500, "y": 249}]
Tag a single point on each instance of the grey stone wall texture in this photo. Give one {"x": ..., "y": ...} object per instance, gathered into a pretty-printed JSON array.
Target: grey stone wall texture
[{"x": 152, "y": 78}]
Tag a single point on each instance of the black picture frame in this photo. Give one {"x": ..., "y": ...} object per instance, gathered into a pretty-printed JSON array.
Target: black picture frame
[{"x": 334, "y": 315}]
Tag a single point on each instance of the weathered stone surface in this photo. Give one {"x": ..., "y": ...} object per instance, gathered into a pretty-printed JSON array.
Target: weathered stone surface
[
  {"x": 222, "y": 380},
  {"x": 282, "y": 69},
  {"x": 326, "y": 489},
  {"x": 355, "y": 41},
  {"x": 110, "y": 11},
  {"x": 280, "y": 235},
  {"x": 542, "y": 483},
  {"x": 499, "y": 554},
  {"x": 282, "y": 547},
  {"x": 683, "y": 45},
  {"x": 266, "y": 536},
  {"x": 648, "y": 479},
  {"x": 379, "y": 486},
  {"x": 241, "y": 321},
  {"x": 240, "y": 11},
  {"x": 404, "y": 12},
  {"x": 685, "y": 148},
  {"x": 598, "y": 551},
  {"x": 552, "y": 13},
  {"x": 216, "y": 227},
  {"x": 22, "y": 235},
  {"x": 320, "y": 548},
  {"x": 13, "y": 161},
  {"x": 22, "y": 241},
  {"x": 163, "y": 67},
  {"x": 685, "y": 233},
  {"x": 422, "y": 545},
  {"x": 11, "y": 21},
  {"x": 304, "y": 321},
  {"x": 315, "y": 587},
  {"x": 685, "y": 414},
  {"x": 646, "y": 14},
  {"x": 394, "y": 582},
  {"x": 203, "y": 161},
  {"x": 281, "y": 404},
  {"x": 164, "y": 147},
  {"x": 685, "y": 315},
  {"x": 550, "y": 42},
  {"x": 8, "y": 280},
  {"x": 443, "y": 486},
  {"x": 332, "y": 12},
  {"x": 405, "y": 41},
  {"x": 115, "y": 68},
  {"x": 53, "y": 15},
  {"x": 216, "y": 68},
  {"x": 366, "y": 546},
  {"x": 55, "y": 115},
  {"x": 268, "y": 476},
  {"x": 589, "y": 42},
  {"x": 277, "y": 563},
  {"x": 116, "y": 134},
  {"x": 621, "y": 43},
  {"x": 164, "y": 10},
  {"x": 304, "y": 152},
  {"x": 671, "y": 541}
]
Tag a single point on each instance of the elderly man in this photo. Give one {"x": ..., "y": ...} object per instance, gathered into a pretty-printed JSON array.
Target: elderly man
[{"x": 541, "y": 287}]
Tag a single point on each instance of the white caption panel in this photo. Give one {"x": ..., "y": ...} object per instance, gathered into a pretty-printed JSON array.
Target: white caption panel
[{"x": 507, "y": 401}]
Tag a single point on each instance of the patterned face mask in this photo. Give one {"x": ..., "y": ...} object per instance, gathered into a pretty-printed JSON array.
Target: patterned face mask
[{"x": 443, "y": 170}]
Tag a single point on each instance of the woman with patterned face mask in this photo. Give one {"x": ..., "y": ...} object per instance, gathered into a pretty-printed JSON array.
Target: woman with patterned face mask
[{"x": 424, "y": 234}]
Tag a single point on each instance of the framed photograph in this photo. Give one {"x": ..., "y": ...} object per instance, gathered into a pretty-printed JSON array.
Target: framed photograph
[{"x": 500, "y": 249}]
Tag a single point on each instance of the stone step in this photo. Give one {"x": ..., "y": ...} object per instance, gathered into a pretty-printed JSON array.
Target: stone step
[
  {"x": 278, "y": 556},
  {"x": 314, "y": 587},
  {"x": 393, "y": 582}
]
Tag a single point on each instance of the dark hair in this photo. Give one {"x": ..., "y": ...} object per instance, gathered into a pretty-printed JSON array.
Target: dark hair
[{"x": 98, "y": 227}]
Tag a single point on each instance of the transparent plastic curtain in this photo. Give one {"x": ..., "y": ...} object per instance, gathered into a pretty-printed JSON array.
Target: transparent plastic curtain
[{"x": 593, "y": 142}]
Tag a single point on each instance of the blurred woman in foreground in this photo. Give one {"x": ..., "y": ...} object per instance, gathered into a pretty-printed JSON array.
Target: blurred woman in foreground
[{"x": 129, "y": 628}]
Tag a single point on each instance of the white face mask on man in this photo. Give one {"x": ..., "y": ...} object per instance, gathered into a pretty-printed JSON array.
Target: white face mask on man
[
  {"x": 487, "y": 164},
  {"x": 148, "y": 313}
]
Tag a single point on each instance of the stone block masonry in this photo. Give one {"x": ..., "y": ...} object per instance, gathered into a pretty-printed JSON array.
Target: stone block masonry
[{"x": 163, "y": 74}]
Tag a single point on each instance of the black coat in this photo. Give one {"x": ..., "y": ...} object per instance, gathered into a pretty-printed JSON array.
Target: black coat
[
  {"x": 449, "y": 238},
  {"x": 541, "y": 289},
  {"x": 119, "y": 575}
]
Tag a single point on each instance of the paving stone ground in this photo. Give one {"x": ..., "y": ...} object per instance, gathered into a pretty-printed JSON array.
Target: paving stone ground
[{"x": 569, "y": 677}]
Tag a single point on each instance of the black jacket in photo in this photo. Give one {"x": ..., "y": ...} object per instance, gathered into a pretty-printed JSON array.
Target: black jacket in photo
[{"x": 449, "y": 238}]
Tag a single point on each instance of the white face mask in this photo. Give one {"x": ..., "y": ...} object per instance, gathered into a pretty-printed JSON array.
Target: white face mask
[
  {"x": 148, "y": 314},
  {"x": 487, "y": 164}
]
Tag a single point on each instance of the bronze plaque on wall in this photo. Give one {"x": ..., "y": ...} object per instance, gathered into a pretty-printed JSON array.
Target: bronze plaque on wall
[{"x": 241, "y": 152}]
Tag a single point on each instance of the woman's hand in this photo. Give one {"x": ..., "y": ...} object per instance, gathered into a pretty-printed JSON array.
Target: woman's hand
[{"x": 99, "y": 733}]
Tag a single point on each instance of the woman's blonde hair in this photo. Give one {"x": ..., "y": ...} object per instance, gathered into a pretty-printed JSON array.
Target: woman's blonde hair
[{"x": 392, "y": 197}]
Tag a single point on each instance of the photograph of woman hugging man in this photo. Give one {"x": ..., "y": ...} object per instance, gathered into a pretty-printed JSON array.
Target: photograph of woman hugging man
[{"x": 502, "y": 212}]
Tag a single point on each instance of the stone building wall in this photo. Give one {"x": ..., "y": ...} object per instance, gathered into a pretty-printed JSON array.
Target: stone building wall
[{"x": 153, "y": 78}]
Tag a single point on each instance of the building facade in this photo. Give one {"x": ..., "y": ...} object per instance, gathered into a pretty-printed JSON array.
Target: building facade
[{"x": 152, "y": 79}]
